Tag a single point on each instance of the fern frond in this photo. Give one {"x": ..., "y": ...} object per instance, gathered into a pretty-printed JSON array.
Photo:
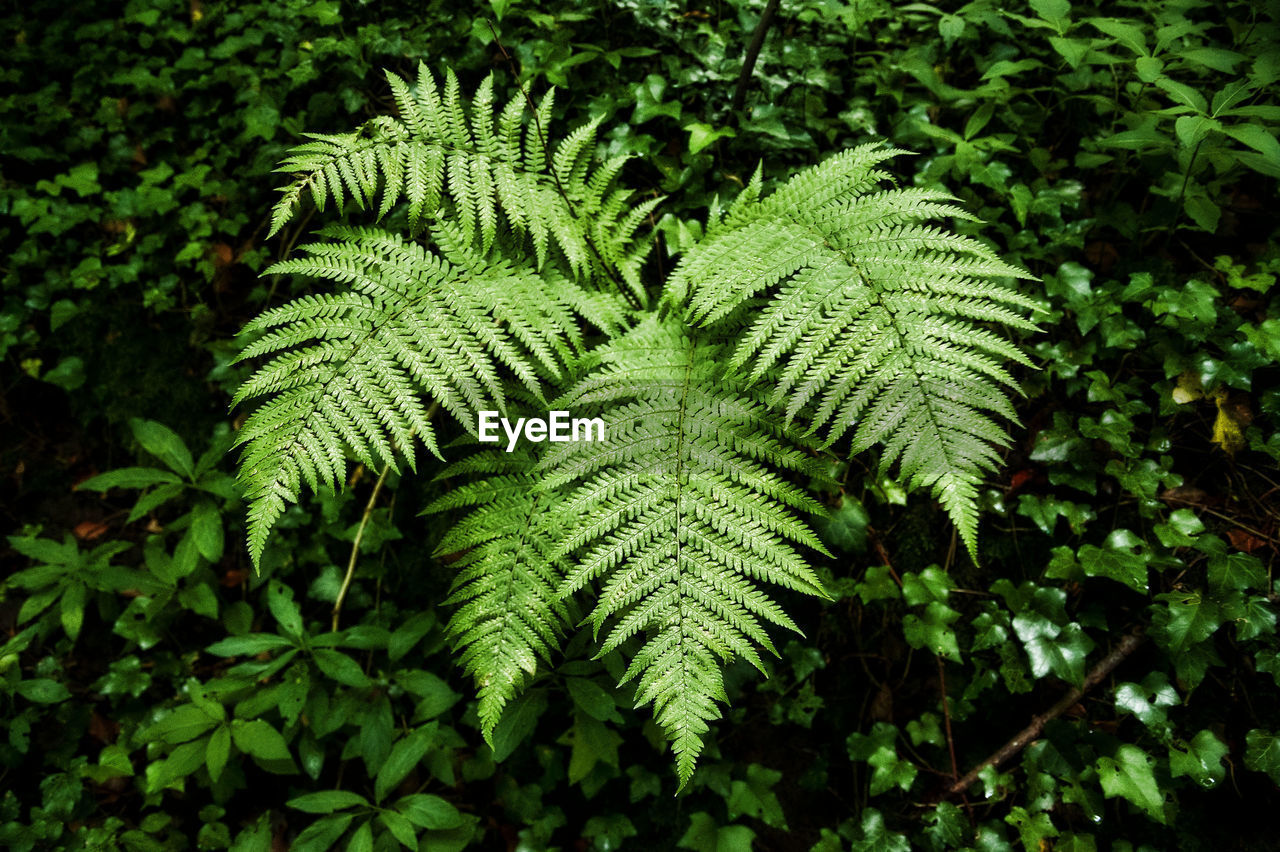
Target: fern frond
[
  {"x": 508, "y": 614},
  {"x": 355, "y": 371},
  {"x": 680, "y": 514},
  {"x": 872, "y": 319},
  {"x": 440, "y": 151}
]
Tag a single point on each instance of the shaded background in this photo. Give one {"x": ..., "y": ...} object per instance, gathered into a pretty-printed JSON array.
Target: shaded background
[{"x": 1129, "y": 161}]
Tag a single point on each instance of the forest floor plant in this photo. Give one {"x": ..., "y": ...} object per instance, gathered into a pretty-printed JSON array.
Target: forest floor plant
[{"x": 516, "y": 272}]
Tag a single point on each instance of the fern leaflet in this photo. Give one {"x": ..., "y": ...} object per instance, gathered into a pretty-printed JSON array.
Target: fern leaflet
[
  {"x": 679, "y": 514},
  {"x": 353, "y": 371},
  {"x": 871, "y": 319},
  {"x": 509, "y": 615},
  {"x": 440, "y": 151}
]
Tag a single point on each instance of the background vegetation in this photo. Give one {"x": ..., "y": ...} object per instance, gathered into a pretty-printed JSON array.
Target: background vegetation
[{"x": 158, "y": 694}]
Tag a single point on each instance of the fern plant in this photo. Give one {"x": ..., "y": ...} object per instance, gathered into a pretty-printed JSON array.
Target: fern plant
[{"x": 508, "y": 273}]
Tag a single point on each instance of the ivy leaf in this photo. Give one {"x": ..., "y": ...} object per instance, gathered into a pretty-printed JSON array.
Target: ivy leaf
[
  {"x": 1130, "y": 775},
  {"x": 1148, "y": 700},
  {"x": 1053, "y": 649},
  {"x": 1234, "y": 571},
  {"x": 1262, "y": 752},
  {"x": 1202, "y": 761},
  {"x": 755, "y": 798},
  {"x": 1034, "y": 829},
  {"x": 1188, "y": 619},
  {"x": 1122, "y": 560},
  {"x": 705, "y": 835},
  {"x": 877, "y": 750},
  {"x": 876, "y": 837}
]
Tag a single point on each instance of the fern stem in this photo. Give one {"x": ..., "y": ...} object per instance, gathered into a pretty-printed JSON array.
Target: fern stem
[
  {"x": 752, "y": 54},
  {"x": 355, "y": 544},
  {"x": 355, "y": 547}
]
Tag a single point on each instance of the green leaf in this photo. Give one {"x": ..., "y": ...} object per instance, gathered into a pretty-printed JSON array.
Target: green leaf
[
  {"x": 405, "y": 756},
  {"x": 1192, "y": 129},
  {"x": 1262, "y": 752},
  {"x": 400, "y": 827},
  {"x": 284, "y": 609},
  {"x": 71, "y": 609},
  {"x": 1187, "y": 619},
  {"x": 593, "y": 699},
  {"x": 129, "y": 477},
  {"x": 1202, "y": 211},
  {"x": 206, "y": 530},
  {"x": 755, "y": 798},
  {"x": 701, "y": 135},
  {"x": 1053, "y": 649},
  {"x": 409, "y": 634},
  {"x": 321, "y": 835},
  {"x": 430, "y": 812},
  {"x": 1128, "y": 34},
  {"x": 217, "y": 752},
  {"x": 42, "y": 690},
  {"x": 704, "y": 835},
  {"x": 181, "y": 762},
  {"x": 163, "y": 443},
  {"x": 877, "y": 750},
  {"x": 877, "y": 584},
  {"x": 1124, "y": 559},
  {"x": 1130, "y": 774},
  {"x": 1183, "y": 94},
  {"x": 186, "y": 722},
  {"x": 591, "y": 742},
  {"x": 845, "y": 529},
  {"x": 259, "y": 739},
  {"x": 1236, "y": 571},
  {"x": 340, "y": 667},
  {"x": 249, "y": 645},
  {"x": 327, "y": 801},
  {"x": 1148, "y": 700},
  {"x": 1202, "y": 760},
  {"x": 1033, "y": 829},
  {"x": 362, "y": 839}
]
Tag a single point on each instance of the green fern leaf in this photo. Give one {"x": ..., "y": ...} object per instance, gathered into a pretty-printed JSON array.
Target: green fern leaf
[
  {"x": 354, "y": 372},
  {"x": 679, "y": 514},
  {"x": 439, "y": 152},
  {"x": 871, "y": 320},
  {"x": 509, "y": 616}
]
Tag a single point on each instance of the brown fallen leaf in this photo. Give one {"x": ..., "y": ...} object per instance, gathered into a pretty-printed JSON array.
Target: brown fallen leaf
[
  {"x": 90, "y": 530},
  {"x": 1245, "y": 541}
]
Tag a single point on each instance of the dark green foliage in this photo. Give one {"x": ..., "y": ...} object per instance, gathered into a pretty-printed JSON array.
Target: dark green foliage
[{"x": 158, "y": 693}]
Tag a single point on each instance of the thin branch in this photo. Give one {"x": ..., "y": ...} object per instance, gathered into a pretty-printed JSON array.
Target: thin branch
[
  {"x": 1031, "y": 732},
  {"x": 364, "y": 522},
  {"x": 753, "y": 53},
  {"x": 355, "y": 548}
]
